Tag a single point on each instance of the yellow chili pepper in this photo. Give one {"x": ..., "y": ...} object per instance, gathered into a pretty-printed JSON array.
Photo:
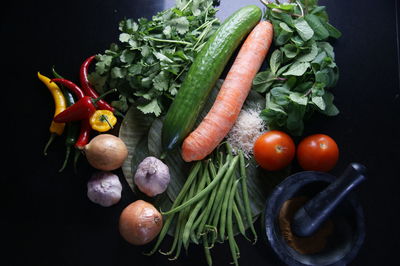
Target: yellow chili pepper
[
  {"x": 102, "y": 120},
  {"x": 60, "y": 105}
]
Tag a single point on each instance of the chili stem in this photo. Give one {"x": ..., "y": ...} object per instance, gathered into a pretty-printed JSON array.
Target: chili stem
[
  {"x": 95, "y": 100},
  {"x": 103, "y": 117}
]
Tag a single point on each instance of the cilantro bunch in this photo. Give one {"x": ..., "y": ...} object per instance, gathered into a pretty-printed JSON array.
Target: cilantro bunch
[
  {"x": 302, "y": 65},
  {"x": 152, "y": 57}
]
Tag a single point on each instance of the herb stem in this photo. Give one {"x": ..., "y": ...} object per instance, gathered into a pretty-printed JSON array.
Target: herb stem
[
  {"x": 301, "y": 8},
  {"x": 167, "y": 40},
  {"x": 188, "y": 3}
]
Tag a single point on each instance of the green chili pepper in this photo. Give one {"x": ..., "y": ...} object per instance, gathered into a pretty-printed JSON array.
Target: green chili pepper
[{"x": 72, "y": 127}]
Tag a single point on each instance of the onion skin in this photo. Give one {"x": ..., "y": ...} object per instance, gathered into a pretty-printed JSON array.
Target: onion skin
[
  {"x": 140, "y": 223},
  {"x": 106, "y": 152}
]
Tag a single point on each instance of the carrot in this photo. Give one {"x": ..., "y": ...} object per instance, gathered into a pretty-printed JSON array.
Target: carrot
[{"x": 234, "y": 91}]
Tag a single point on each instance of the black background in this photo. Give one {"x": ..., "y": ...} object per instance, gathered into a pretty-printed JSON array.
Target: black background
[{"x": 46, "y": 216}]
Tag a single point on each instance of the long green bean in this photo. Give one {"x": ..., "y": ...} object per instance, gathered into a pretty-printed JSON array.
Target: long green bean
[
  {"x": 178, "y": 228},
  {"x": 181, "y": 195},
  {"x": 224, "y": 208},
  {"x": 246, "y": 195},
  {"x": 193, "y": 213},
  {"x": 239, "y": 220},
  {"x": 229, "y": 226},
  {"x": 239, "y": 202},
  {"x": 202, "y": 193},
  {"x": 207, "y": 250},
  {"x": 183, "y": 215},
  {"x": 202, "y": 220},
  {"x": 215, "y": 212}
]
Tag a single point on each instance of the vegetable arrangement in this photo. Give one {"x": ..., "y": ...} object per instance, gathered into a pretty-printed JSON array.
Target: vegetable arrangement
[{"x": 197, "y": 147}]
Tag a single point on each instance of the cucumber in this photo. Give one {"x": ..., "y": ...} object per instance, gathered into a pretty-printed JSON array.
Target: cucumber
[{"x": 204, "y": 73}]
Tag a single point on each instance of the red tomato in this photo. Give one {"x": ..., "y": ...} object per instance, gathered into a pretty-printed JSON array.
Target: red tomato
[
  {"x": 317, "y": 152},
  {"x": 274, "y": 150}
]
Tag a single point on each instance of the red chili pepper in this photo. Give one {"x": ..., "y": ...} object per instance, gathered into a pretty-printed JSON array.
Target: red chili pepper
[
  {"x": 83, "y": 109},
  {"x": 87, "y": 87},
  {"x": 83, "y": 139},
  {"x": 84, "y": 134},
  {"x": 71, "y": 86}
]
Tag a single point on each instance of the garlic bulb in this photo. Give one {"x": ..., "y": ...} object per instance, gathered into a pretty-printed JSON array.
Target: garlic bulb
[
  {"x": 104, "y": 188},
  {"x": 152, "y": 176}
]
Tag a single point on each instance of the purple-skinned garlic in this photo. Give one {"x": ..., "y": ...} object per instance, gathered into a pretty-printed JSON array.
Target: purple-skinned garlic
[
  {"x": 152, "y": 176},
  {"x": 104, "y": 188}
]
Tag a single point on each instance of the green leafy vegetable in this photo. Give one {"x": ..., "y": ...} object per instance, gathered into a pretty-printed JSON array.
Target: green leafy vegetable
[
  {"x": 152, "y": 57},
  {"x": 301, "y": 68}
]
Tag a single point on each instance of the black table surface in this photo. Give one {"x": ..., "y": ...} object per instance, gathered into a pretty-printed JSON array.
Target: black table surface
[{"x": 47, "y": 218}]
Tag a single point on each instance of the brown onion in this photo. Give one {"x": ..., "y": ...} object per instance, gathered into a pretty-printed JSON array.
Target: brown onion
[
  {"x": 106, "y": 152},
  {"x": 140, "y": 223}
]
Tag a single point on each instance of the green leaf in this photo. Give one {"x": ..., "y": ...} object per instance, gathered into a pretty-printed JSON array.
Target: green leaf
[
  {"x": 283, "y": 37},
  {"x": 297, "y": 69},
  {"x": 124, "y": 37},
  {"x": 181, "y": 24},
  {"x": 319, "y": 58},
  {"x": 331, "y": 109},
  {"x": 280, "y": 96},
  {"x": 282, "y": 69},
  {"x": 272, "y": 106},
  {"x": 275, "y": 61},
  {"x": 161, "y": 81},
  {"x": 303, "y": 29},
  {"x": 318, "y": 9},
  {"x": 298, "y": 98},
  {"x": 294, "y": 122},
  {"x": 310, "y": 54},
  {"x": 303, "y": 87},
  {"x": 263, "y": 81},
  {"x": 285, "y": 27},
  {"x": 127, "y": 56},
  {"x": 327, "y": 47},
  {"x": 333, "y": 32},
  {"x": 279, "y": 91},
  {"x": 167, "y": 31},
  {"x": 117, "y": 72},
  {"x": 135, "y": 69},
  {"x": 320, "y": 32},
  {"x": 145, "y": 51},
  {"x": 290, "y": 50},
  {"x": 319, "y": 102},
  {"x": 151, "y": 108},
  {"x": 286, "y": 7},
  {"x": 297, "y": 40}
]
